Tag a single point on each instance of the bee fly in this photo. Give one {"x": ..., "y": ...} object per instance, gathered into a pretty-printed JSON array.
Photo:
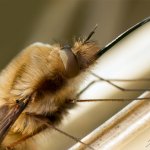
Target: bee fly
[{"x": 39, "y": 86}]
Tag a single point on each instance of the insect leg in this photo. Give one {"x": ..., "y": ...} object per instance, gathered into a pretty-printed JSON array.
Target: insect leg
[
  {"x": 45, "y": 122},
  {"x": 22, "y": 139},
  {"x": 123, "y": 80}
]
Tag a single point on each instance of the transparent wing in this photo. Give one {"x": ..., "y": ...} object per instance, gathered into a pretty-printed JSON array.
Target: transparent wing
[{"x": 8, "y": 115}]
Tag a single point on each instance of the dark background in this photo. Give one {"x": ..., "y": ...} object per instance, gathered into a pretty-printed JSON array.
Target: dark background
[{"x": 23, "y": 22}]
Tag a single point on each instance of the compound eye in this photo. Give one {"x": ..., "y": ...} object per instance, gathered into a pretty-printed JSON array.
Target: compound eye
[
  {"x": 69, "y": 61},
  {"x": 66, "y": 46}
]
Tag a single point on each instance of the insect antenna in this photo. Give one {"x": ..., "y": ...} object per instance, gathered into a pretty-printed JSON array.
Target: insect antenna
[
  {"x": 105, "y": 49},
  {"x": 90, "y": 34}
]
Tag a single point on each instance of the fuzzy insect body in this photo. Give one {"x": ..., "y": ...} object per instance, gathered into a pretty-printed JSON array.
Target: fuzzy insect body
[
  {"x": 47, "y": 78},
  {"x": 50, "y": 75}
]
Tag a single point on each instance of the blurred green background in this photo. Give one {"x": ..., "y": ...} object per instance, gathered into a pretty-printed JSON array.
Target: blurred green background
[{"x": 23, "y": 22}]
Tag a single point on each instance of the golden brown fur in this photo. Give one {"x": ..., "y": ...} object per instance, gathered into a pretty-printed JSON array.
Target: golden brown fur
[{"x": 38, "y": 71}]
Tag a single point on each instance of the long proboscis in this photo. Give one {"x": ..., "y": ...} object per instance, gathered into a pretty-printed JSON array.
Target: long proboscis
[
  {"x": 120, "y": 37},
  {"x": 11, "y": 116}
]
